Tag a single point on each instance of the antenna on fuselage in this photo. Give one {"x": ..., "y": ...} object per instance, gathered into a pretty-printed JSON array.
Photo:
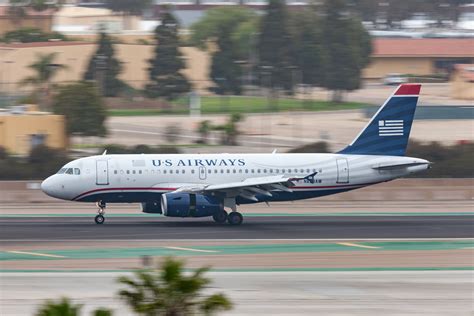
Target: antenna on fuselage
[
  {"x": 104, "y": 153},
  {"x": 274, "y": 151}
]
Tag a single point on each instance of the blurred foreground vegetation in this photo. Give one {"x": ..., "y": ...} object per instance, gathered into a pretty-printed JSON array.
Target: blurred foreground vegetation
[
  {"x": 166, "y": 290},
  {"x": 453, "y": 161}
]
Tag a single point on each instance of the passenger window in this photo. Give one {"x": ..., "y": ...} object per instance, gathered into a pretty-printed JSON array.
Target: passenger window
[
  {"x": 115, "y": 172},
  {"x": 258, "y": 170},
  {"x": 215, "y": 170},
  {"x": 209, "y": 171},
  {"x": 192, "y": 170},
  {"x": 302, "y": 170},
  {"x": 240, "y": 170},
  {"x": 171, "y": 171},
  {"x": 253, "y": 171},
  {"x": 164, "y": 171},
  {"x": 133, "y": 171},
  {"x": 277, "y": 171},
  {"x": 246, "y": 170},
  {"x": 264, "y": 170},
  {"x": 234, "y": 171},
  {"x": 183, "y": 171},
  {"x": 222, "y": 170},
  {"x": 128, "y": 171},
  {"x": 139, "y": 171},
  {"x": 228, "y": 171},
  {"x": 307, "y": 170}
]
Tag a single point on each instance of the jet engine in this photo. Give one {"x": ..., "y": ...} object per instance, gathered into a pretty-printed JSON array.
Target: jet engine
[{"x": 189, "y": 205}]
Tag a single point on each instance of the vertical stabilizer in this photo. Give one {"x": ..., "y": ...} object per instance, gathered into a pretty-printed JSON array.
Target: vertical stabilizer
[{"x": 388, "y": 131}]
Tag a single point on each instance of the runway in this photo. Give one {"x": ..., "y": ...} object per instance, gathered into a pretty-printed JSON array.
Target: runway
[{"x": 60, "y": 228}]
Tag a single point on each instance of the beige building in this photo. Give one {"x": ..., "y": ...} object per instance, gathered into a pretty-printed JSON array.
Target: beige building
[
  {"x": 76, "y": 55},
  {"x": 462, "y": 82},
  {"x": 423, "y": 56},
  {"x": 83, "y": 19},
  {"x": 406, "y": 56},
  {"x": 19, "y": 133},
  {"x": 33, "y": 19}
]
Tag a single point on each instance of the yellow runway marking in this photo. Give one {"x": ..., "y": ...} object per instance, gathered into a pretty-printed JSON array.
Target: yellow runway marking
[
  {"x": 191, "y": 249},
  {"x": 356, "y": 245},
  {"x": 36, "y": 254}
]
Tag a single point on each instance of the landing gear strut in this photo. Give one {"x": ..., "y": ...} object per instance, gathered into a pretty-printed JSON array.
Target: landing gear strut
[{"x": 100, "y": 219}]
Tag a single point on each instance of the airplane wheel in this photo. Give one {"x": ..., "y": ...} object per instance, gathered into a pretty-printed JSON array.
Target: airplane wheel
[
  {"x": 220, "y": 217},
  {"x": 235, "y": 218},
  {"x": 99, "y": 219}
]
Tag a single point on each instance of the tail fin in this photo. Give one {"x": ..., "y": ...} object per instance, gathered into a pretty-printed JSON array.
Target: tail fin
[{"x": 388, "y": 131}]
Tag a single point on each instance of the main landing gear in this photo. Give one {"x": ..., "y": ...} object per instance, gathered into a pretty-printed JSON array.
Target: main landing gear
[
  {"x": 233, "y": 218},
  {"x": 100, "y": 219}
]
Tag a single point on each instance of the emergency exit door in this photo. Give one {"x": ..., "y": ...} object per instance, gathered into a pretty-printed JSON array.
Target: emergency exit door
[
  {"x": 102, "y": 172},
  {"x": 342, "y": 171}
]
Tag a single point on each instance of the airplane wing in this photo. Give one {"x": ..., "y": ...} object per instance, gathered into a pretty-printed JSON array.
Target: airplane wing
[{"x": 248, "y": 188}]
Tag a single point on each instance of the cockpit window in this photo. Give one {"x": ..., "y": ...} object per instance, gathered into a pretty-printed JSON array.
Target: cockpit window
[
  {"x": 62, "y": 170},
  {"x": 77, "y": 171},
  {"x": 69, "y": 171}
]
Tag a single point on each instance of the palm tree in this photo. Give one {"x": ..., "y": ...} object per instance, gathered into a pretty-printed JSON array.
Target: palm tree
[
  {"x": 63, "y": 307},
  {"x": 167, "y": 291},
  {"x": 44, "y": 70}
]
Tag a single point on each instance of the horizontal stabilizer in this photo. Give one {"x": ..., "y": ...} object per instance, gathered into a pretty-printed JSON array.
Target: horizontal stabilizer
[{"x": 391, "y": 166}]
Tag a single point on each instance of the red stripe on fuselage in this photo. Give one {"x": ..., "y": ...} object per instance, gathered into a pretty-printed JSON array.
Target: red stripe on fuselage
[{"x": 172, "y": 189}]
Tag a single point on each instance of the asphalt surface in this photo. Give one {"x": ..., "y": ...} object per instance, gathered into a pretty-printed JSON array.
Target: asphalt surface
[{"x": 258, "y": 227}]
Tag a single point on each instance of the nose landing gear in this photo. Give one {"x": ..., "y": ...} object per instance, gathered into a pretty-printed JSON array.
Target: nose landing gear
[{"x": 100, "y": 219}]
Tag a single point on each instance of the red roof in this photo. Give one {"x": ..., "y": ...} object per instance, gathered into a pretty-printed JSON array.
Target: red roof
[
  {"x": 423, "y": 47},
  {"x": 43, "y": 44}
]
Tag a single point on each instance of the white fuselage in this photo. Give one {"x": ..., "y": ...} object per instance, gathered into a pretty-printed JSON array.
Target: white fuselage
[{"x": 141, "y": 177}]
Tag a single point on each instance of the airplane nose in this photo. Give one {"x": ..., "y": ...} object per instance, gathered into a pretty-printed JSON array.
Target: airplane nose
[{"x": 47, "y": 186}]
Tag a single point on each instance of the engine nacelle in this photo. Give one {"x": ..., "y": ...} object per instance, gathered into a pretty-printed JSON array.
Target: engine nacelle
[
  {"x": 189, "y": 205},
  {"x": 152, "y": 207}
]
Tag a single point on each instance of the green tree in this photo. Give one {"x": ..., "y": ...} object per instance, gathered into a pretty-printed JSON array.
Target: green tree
[
  {"x": 104, "y": 68},
  {"x": 226, "y": 32},
  {"x": 62, "y": 307},
  {"x": 307, "y": 51},
  {"x": 273, "y": 47},
  {"x": 83, "y": 108},
  {"x": 165, "y": 69},
  {"x": 348, "y": 48},
  {"x": 169, "y": 292},
  {"x": 44, "y": 70}
]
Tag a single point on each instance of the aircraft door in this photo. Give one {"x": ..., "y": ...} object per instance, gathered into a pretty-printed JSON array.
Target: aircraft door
[
  {"x": 342, "y": 170},
  {"x": 202, "y": 173},
  {"x": 102, "y": 172}
]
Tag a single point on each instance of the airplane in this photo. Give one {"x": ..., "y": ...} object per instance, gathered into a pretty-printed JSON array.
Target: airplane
[{"x": 205, "y": 185}]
